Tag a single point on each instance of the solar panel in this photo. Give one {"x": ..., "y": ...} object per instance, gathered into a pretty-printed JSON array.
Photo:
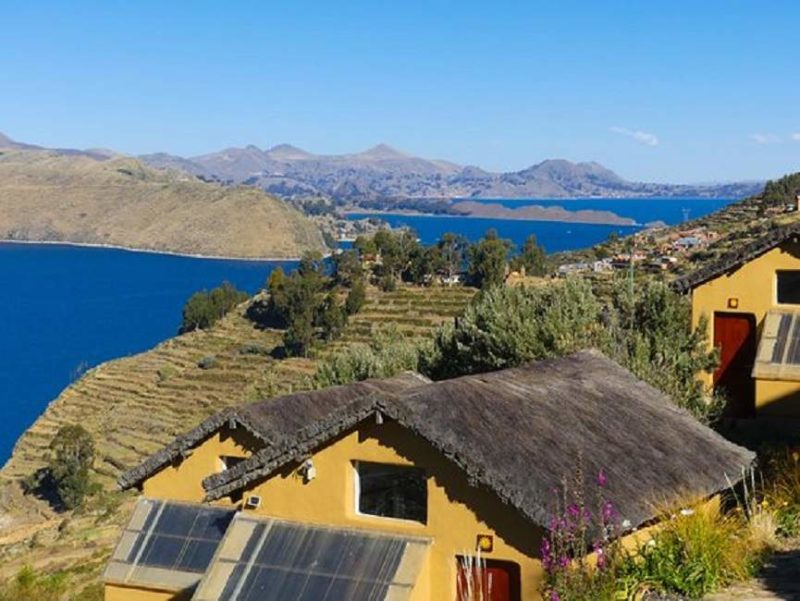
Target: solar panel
[
  {"x": 778, "y": 354},
  {"x": 168, "y": 544},
  {"x": 271, "y": 560}
]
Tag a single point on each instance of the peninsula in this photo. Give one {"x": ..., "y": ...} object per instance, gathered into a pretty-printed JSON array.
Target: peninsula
[{"x": 109, "y": 200}]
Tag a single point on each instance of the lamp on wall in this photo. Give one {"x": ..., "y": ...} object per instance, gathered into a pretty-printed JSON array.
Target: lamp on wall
[
  {"x": 308, "y": 471},
  {"x": 733, "y": 303}
]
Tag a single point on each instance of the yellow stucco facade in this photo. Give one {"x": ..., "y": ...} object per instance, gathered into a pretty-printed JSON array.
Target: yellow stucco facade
[
  {"x": 183, "y": 479},
  {"x": 751, "y": 289}
]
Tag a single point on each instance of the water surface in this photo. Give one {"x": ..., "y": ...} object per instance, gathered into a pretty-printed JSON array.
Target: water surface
[{"x": 66, "y": 308}]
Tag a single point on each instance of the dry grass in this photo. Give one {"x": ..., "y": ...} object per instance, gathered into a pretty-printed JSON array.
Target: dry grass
[{"x": 50, "y": 197}]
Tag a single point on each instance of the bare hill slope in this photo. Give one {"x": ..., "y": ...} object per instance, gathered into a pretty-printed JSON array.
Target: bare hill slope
[{"x": 52, "y": 196}]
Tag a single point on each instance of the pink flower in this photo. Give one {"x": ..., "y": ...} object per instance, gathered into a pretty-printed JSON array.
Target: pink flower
[
  {"x": 608, "y": 512},
  {"x": 601, "y": 479},
  {"x": 547, "y": 557},
  {"x": 554, "y": 596}
]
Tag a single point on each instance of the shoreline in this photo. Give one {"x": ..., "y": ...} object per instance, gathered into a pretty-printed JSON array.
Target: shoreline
[
  {"x": 6, "y": 241},
  {"x": 406, "y": 213}
]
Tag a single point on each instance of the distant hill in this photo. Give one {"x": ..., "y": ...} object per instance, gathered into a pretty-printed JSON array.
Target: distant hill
[
  {"x": 383, "y": 173},
  {"x": 97, "y": 197}
]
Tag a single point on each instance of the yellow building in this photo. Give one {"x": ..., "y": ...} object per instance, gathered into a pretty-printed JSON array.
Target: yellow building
[
  {"x": 387, "y": 489},
  {"x": 750, "y": 299}
]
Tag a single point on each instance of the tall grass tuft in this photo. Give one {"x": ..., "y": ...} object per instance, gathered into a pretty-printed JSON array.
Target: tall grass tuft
[{"x": 696, "y": 550}]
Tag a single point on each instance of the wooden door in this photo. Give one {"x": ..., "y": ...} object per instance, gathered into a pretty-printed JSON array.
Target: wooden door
[
  {"x": 735, "y": 337},
  {"x": 495, "y": 581}
]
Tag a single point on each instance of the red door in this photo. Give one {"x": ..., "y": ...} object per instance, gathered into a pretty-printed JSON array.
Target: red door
[
  {"x": 735, "y": 336},
  {"x": 495, "y": 581}
]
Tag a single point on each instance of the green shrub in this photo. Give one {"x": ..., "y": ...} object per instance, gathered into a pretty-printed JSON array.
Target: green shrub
[
  {"x": 72, "y": 456},
  {"x": 28, "y": 585},
  {"x": 208, "y": 362},
  {"x": 166, "y": 372},
  {"x": 255, "y": 349},
  {"x": 782, "y": 487},
  {"x": 387, "y": 283},
  {"x": 388, "y": 354},
  {"x": 356, "y": 297}
]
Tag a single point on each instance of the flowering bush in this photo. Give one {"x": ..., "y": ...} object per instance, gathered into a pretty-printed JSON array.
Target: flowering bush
[
  {"x": 782, "y": 488},
  {"x": 581, "y": 553}
]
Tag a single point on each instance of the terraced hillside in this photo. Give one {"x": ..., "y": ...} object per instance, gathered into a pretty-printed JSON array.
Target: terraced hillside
[{"x": 136, "y": 404}]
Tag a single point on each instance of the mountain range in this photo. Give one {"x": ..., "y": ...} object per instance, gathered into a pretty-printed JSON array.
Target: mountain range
[{"x": 383, "y": 173}]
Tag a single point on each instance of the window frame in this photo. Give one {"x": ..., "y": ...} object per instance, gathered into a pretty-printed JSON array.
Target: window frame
[{"x": 357, "y": 494}]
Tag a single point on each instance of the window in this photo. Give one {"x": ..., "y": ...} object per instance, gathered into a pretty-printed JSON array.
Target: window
[
  {"x": 788, "y": 287},
  {"x": 226, "y": 462},
  {"x": 778, "y": 354},
  {"x": 392, "y": 491}
]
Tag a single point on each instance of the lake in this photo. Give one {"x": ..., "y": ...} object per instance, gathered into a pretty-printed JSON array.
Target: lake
[
  {"x": 66, "y": 308},
  {"x": 556, "y": 236}
]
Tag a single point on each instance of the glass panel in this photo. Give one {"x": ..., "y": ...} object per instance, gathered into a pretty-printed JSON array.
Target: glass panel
[
  {"x": 393, "y": 491},
  {"x": 233, "y": 581},
  {"x": 780, "y": 344},
  {"x": 161, "y": 551},
  {"x": 211, "y": 524},
  {"x": 793, "y": 354},
  {"x": 177, "y": 520},
  {"x": 197, "y": 555},
  {"x": 789, "y": 287},
  {"x": 314, "y": 563}
]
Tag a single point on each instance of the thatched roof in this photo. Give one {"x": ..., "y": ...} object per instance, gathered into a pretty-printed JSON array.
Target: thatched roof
[
  {"x": 519, "y": 432},
  {"x": 267, "y": 424},
  {"x": 736, "y": 258}
]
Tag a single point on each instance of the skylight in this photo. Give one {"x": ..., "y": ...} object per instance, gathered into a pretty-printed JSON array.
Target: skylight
[
  {"x": 168, "y": 545},
  {"x": 266, "y": 560},
  {"x": 778, "y": 355}
]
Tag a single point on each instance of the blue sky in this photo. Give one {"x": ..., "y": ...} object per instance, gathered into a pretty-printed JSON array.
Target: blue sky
[{"x": 658, "y": 90}]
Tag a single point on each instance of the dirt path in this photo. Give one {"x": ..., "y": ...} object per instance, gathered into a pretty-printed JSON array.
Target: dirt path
[{"x": 779, "y": 581}]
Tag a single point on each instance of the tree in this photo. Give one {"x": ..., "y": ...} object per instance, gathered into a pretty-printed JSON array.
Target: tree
[
  {"x": 488, "y": 260},
  {"x": 356, "y": 297},
  {"x": 647, "y": 330},
  {"x": 72, "y": 456},
  {"x": 204, "y": 308},
  {"x": 347, "y": 268},
  {"x": 652, "y": 336},
  {"x": 425, "y": 263},
  {"x": 508, "y": 326},
  {"x": 332, "y": 318},
  {"x": 453, "y": 249},
  {"x": 532, "y": 258},
  {"x": 364, "y": 246}
]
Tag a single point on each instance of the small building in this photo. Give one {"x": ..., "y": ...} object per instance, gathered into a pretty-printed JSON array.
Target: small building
[
  {"x": 688, "y": 242},
  {"x": 381, "y": 489},
  {"x": 750, "y": 298}
]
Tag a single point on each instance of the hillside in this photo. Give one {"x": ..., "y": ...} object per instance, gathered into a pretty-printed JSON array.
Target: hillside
[
  {"x": 136, "y": 404},
  {"x": 93, "y": 198},
  {"x": 383, "y": 174}
]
